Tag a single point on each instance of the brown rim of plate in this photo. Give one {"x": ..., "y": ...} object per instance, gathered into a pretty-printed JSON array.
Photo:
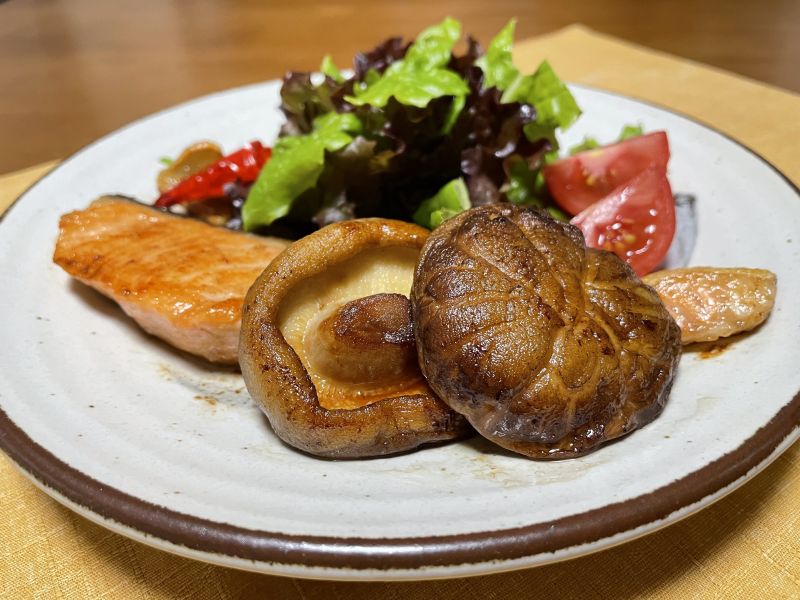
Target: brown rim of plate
[
  {"x": 394, "y": 553},
  {"x": 400, "y": 553}
]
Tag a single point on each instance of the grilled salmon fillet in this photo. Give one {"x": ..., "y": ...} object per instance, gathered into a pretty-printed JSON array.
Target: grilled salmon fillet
[
  {"x": 179, "y": 279},
  {"x": 709, "y": 303}
]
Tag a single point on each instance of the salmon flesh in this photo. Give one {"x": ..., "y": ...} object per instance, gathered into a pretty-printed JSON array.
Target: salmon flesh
[{"x": 180, "y": 279}]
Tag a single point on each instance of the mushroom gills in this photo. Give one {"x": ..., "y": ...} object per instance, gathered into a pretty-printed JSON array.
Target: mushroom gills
[{"x": 351, "y": 328}]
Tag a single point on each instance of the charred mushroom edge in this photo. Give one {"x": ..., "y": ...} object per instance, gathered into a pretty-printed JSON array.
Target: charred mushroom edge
[{"x": 278, "y": 381}]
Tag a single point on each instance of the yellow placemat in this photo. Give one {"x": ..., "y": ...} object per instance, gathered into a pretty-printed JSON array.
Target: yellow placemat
[{"x": 745, "y": 546}]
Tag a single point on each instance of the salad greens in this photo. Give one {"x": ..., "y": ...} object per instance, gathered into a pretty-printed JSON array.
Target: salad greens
[
  {"x": 329, "y": 69},
  {"x": 421, "y": 75},
  {"x": 630, "y": 131},
  {"x": 452, "y": 199},
  {"x": 554, "y": 104},
  {"x": 590, "y": 143},
  {"x": 415, "y": 133},
  {"x": 296, "y": 164}
]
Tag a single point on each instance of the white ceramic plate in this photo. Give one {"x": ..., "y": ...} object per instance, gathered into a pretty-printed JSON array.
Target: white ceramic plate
[{"x": 172, "y": 452}]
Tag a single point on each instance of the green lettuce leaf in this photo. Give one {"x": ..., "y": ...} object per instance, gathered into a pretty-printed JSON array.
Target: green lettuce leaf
[
  {"x": 453, "y": 111},
  {"x": 497, "y": 65},
  {"x": 522, "y": 186},
  {"x": 411, "y": 87},
  {"x": 557, "y": 214},
  {"x": 630, "y": 131},
  {"x": 329, "y": 69},
  {"x": 526, "y": 184},
  {"x": 590, "y": 143},
  {"x": 433, "y": 47},
  {"x": 452, "y": 199},
  {"x": 421, "y": 75},
  {"x": 295, "y": 166},
  {"x": 555, "y": 105}
]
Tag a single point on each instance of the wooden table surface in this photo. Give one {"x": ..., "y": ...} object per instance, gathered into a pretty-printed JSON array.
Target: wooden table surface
[{"x": 73, "y": 70}]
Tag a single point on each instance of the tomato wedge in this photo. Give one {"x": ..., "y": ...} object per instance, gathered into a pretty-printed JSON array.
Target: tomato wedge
[
  {"x": 579, "y": 181},
  {"x": 636, "y": 221}
]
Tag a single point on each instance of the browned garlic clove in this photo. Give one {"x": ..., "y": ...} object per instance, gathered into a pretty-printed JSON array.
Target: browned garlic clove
[{"x": 192, "y": 160}]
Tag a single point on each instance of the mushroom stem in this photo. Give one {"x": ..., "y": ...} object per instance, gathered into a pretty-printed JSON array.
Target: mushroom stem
[{"x": 366, "y": 340}]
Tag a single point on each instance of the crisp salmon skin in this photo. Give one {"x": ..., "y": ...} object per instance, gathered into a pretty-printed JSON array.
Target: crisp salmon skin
[{"x": 181, "y": 280}]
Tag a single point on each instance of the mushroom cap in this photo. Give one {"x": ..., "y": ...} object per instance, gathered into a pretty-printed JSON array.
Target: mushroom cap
[
  {"x": 326, "y": 348},
  {"x": 548, "y": 348}
]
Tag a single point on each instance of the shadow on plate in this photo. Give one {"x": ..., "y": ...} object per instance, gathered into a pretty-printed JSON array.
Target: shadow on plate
[{"x": 111, "y": 310}]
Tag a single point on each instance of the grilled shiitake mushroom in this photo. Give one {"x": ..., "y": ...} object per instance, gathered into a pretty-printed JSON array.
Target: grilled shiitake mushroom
[
  {"x": 327, "y": 347},
  {"x": 548, "y": 348}
]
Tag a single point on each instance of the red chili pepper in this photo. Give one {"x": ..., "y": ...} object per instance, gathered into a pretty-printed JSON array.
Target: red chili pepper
[{"x": 243, "y": 166}]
